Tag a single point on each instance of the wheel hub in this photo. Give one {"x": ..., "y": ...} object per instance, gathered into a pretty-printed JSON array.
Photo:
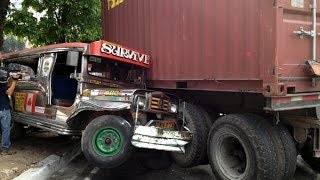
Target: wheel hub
[
  {"x": 108, "y": 142},
  {"x": 232, "y": 158}
]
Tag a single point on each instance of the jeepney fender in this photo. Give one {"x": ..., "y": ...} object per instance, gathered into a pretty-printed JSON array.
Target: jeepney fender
[{"x": 96, "y": 105}]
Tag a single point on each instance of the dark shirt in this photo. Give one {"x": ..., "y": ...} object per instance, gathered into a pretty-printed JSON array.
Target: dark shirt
[{"x": 4, "y": 99}]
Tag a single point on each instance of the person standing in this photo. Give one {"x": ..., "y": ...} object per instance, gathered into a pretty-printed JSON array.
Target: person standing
[{"x": 5, "y": 114}]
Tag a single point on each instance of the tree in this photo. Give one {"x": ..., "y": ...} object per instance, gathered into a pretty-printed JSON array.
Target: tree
[
  {"x": 56, "y": 21},
  {"x": 11, "y": 43},
  {"x": 4, "y": 6}
]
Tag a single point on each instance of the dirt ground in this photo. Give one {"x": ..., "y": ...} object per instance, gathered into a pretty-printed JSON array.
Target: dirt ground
[{"x": 30, "y": 150}]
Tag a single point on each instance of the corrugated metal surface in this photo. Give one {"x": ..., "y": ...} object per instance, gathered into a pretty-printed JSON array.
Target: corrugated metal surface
[{"x": 245, "y": 45}]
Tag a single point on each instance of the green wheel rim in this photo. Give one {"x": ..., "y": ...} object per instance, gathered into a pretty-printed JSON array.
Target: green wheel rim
[{"x": 108, "y": 142}]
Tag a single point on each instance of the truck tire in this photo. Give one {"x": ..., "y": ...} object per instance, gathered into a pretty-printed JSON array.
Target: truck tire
[
  {"x": 290, "y": 152},
  {"x": 208, "y": 120},
  {"x": 195, "y": 151},
  {"x": 206, "y": 117},
  {"x": 106, "y": 141},
  {"x": 239, "y": 148},
  {"x": 284, "y": 148}
]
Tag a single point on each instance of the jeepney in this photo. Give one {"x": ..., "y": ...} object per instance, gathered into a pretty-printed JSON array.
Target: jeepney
[{"x": 96, "y": 90}]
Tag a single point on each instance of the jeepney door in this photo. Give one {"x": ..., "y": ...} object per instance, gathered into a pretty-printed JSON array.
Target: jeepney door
[{"x": 46, "y": 64}]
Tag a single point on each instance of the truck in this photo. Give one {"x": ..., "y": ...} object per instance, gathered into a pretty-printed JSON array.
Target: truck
[
  {"x": 95, "y": 91},
  {"x": 248, "y": 71}
]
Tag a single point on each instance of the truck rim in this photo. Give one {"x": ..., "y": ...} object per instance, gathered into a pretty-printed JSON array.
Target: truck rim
[
  {"x": 232, "y": 157},
  {"x": 108, "y": 142}
]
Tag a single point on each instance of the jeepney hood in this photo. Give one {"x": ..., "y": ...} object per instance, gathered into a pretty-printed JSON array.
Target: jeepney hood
[{"x": 109, "y": 98}]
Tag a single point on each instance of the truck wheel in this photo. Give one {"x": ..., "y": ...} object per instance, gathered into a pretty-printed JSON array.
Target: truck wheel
[
  {"x": 284, "y": 148},
  {"x": 106, "y": 141},
  {"x": 195, "y": 151},
  {"x": 290, "y": 152},
  {"x": 206, "y": 117},
  {"x": 239, "y": 148},
  {"x": 208, "y": 120}
]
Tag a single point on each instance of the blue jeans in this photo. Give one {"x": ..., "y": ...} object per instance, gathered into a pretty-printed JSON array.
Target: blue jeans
[{"x": 5, "y": 118}]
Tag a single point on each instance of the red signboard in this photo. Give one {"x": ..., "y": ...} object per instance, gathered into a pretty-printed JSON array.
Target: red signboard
[{"x": 117, "y": 52}]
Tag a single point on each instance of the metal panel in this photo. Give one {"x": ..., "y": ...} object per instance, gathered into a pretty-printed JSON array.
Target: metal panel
[
  {"x": 293, "y": 51},
  {"x": 218, "y": 45}
]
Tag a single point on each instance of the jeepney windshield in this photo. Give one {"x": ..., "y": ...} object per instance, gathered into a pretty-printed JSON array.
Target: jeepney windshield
[{"x": 114, "y": 70}]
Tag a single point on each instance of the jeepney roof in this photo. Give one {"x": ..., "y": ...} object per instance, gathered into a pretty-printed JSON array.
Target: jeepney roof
[
  {"x": 98, "y": 48},
  {"x": 43, "y": 49}
]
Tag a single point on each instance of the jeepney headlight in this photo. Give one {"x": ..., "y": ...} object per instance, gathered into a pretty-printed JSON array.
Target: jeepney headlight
[
  {"x": 173, "y": 108},
  {"x": 141, "y": 101}
]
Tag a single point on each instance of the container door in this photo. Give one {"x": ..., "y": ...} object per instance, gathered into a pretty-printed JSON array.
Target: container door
[{"x": 298, "y": 44}]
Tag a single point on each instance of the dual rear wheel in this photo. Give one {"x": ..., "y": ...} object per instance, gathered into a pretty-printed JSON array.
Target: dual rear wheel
[{"x": 247, "y": 146}]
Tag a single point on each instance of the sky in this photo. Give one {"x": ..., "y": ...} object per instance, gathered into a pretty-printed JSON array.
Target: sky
[{"x": 16, "y": 3}]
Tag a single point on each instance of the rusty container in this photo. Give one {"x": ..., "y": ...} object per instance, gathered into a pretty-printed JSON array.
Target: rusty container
[{"x": 219, "y": 45}]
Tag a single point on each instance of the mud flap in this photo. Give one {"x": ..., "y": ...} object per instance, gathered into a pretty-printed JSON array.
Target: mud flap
[{"x": 314, "y": 67}]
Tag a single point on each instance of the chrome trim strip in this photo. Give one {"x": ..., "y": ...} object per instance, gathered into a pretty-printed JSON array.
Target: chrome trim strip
[{"x": 44, "y": 123}]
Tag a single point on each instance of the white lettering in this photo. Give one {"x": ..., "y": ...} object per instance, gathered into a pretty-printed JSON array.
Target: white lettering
[
  {"x": 146, "y": 60},
  {"x": 106, "y": 48},
  {"x": 141, "y": 57},
  {"x": 124, "y": 53}
]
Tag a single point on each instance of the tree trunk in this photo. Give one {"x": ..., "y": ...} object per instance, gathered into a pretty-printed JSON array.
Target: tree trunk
[{"x": 4, "y": 6}]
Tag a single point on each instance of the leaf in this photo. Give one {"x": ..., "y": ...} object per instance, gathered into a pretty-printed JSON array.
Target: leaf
[{"x": 61, "y": 21}]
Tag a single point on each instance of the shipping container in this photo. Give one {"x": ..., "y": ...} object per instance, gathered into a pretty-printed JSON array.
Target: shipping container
[{"x": 247, "y": 45}]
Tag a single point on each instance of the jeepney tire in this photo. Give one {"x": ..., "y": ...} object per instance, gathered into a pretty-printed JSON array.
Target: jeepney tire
[
  {"x": 239, "y": 148},
  {"x": 284, "y": 148},
  {"x": 114, "y": 129},
  {"x": 17, "y": 131},
  {"x": 195, "y": 151},
  {"x": 307, "y": 155}
]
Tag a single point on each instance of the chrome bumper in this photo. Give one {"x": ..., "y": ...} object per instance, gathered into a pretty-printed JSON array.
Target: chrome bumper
[{"x": 160, "y": 139}]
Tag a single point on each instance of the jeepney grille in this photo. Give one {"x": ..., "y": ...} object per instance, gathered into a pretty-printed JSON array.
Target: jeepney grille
[{"x": 159, "y": 104}]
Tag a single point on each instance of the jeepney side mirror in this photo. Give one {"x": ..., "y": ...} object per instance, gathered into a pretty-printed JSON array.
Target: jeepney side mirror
[{"x": 72, "y": 58}]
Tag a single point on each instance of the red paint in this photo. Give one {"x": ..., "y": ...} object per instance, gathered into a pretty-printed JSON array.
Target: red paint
[
  {"x": 248, "y": 54},
  {"x": 209, "y": 41},
  {"x": 310, "y": 97},
  {"x": 98, "y": 49},
  {"x": 281, "y": 99}
]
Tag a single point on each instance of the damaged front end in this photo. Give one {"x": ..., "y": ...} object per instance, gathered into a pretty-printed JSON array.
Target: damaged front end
[
  {"x": 154, "y": 116},
  {"x": 157, "y": 125}
]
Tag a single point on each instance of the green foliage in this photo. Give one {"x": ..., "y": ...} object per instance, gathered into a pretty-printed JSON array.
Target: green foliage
[
  {"x": 60, "y": 21},
  {"x": 11, "y": 44},
  {"x": 4, "y": 6}
]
